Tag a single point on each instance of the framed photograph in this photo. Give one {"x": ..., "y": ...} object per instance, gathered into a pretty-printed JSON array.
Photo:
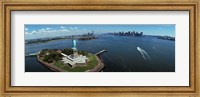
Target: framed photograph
[{"x": 98, "y": 48}]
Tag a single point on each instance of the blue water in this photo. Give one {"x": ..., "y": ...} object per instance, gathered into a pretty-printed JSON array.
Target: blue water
[{"x": 122, "y": 54}]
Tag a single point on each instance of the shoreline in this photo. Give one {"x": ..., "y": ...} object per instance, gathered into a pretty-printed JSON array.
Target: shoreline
[
  {"x": 99, "y": 66},
  {"x": 43, "y": 40}
]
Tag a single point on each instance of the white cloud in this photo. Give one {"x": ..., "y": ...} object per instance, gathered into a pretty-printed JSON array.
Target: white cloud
[
  {"x": 62, "y": 27},
  {"x": 48, "y": 28},
  {"x": 50, "y": 32},
  {"x": 71, "y": 28},
  {"x": 27, "y": 33},
  {"x": 65, "y": 30},
  {"x": 26, "y": 29},
  {"x": 46, "y": 31}
]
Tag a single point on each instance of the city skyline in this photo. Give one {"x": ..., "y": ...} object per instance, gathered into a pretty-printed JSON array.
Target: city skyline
[{"x": 33, "y": 31}]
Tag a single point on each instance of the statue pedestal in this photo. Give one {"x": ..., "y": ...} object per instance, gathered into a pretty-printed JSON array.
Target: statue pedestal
[{"x": 75, "y": 53}]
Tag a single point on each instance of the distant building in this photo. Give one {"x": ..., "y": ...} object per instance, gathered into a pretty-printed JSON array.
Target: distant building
[{"x": 74, "y": 59}]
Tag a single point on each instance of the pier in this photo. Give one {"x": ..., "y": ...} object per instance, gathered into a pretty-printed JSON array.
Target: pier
[
  {"x": 32, "y": 54},
  {"x": 100, "y": 52}
]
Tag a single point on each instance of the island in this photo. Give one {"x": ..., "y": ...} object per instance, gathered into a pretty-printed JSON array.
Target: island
[{"x": 71, "y": 60}]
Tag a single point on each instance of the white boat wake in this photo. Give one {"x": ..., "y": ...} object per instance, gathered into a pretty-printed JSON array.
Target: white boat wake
[{"x": 144, "y": 54}]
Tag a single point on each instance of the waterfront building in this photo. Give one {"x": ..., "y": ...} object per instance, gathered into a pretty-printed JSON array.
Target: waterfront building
[{"x": 74, "y": 59}]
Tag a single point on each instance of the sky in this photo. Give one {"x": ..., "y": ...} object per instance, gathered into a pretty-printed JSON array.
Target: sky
[{"x": 33, "y": 31}]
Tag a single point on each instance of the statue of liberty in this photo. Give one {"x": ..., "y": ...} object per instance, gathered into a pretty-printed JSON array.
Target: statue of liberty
[
  {"x": 74, "y": 44},
  {"x": 75, "y": 51}
]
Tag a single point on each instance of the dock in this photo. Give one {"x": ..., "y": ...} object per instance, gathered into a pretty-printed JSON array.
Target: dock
[
  {"x": 100, "y": 52},
  {"x": 32, "y": 54}
]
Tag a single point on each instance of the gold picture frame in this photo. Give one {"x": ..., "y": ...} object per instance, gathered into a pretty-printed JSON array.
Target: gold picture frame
[{"x": 123, "y": 5}]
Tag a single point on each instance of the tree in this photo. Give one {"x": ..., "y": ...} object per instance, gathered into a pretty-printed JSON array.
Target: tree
[
  {"x": 67, "y": 51},
  {"x": 83, "y": 53},
  {"x": 53, "y": 55},
  {"x": 50, "y": 60},
  {"x": 57, "y": 58},
  {"x": 46, "y": 58},
  {"x": 42, "y": 53}
]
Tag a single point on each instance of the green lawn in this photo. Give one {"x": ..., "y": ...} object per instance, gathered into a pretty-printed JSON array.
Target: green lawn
[{"x": 91, "y": 64}]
